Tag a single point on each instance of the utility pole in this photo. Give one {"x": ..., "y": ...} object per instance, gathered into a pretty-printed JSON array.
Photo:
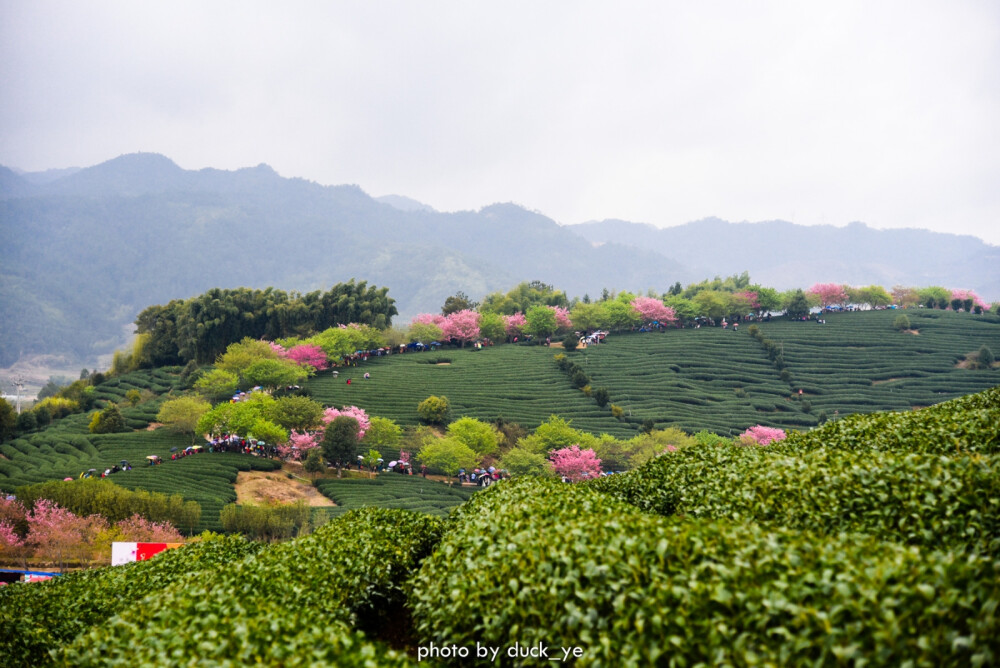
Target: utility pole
[{"x": 18, "y": 384}]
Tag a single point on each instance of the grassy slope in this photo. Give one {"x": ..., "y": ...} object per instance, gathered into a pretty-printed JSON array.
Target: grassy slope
[{"x": 688, "y": 378}]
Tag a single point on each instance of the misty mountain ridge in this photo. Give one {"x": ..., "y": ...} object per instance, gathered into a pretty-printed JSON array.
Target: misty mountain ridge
[{"x": 82, "y": 254}]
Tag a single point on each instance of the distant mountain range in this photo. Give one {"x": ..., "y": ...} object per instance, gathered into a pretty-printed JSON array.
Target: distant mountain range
[{"x": 83, "y": 251}]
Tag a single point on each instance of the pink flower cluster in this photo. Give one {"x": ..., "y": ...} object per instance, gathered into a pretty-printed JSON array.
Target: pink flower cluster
[
  {"x": 514, "y": 324},
  {"x": 576, "y": 464},
  {"x": 435, "y": 319},
  {"x": 969, "y": 294},
  {"x": 651, "y": 309},
  {"x": 308, "y": 355},
  {"x": 461, "y": 325},
  {"x": 829, "y": 294},
  {"x": 761, "y": 435},
  {"x": 299, "y": 443}
]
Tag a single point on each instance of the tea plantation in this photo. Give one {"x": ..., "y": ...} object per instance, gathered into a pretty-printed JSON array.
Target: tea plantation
[
  {"x": 707, "y": 378},
  {"x": 874, "y": 540},
  {"x": 67, "y": 449},
  {"x": 394, "y": 491}
]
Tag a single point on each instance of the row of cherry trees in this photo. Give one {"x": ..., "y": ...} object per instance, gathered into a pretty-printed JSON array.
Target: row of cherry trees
[{"x": 55, "y": 535}]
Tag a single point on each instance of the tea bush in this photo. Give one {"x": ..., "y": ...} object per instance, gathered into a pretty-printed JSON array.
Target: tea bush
[
  {"x": 39, "y": 617},
  {"x": 537, "y": 562},
  {"x": 296, "y": 603}
]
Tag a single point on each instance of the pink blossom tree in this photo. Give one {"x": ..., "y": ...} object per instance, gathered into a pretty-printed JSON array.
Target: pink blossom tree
[
  {"x": 970, "y": 294},
  {"x": 298, "y": 444},
  {"x": 308, "y": 355},
  {"x": 576, "y": 464},
  {"x": 514, "y": 324},
  {"x": 651, "y": 309},
  {"x": 331, "y": 414},
  {"x": 563, "y": 323},
  {"x": 57, "y": 534},
  {"x": 138, "y": 528},
  {"x": 461, "y": 325},
  {"x": 278, "y": 349},
  {"x": 761, "y": 435},
  {"x": 829, "y": 294}
]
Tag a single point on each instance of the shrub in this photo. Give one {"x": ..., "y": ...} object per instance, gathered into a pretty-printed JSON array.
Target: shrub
[
  {"x": 617, "y": 411},
  {"x": 570, "y": 342},
  {"x": 294, "y": 603},
  {"x": 901, "y": 322},
  {"x": 580, "y": 379},
  {"x": 108, "y": 421},
  {"x": 35, "y": 620},
  {"x": 434, "y": 409},
  {"x": 314, "y": 461},
  {"x": 602, "y": 396},
  {"x": 629, "y": 588}
]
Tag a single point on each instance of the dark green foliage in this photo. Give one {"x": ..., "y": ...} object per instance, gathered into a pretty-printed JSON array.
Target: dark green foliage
[
  {"x": 434, "y": 409},
  {"x": 798, "y": 305},
  {"x": 340, "y": 441},
  {"x": 39, "y": 617},
  {"x": 532, "y": 561},
  {"x": 580, "y": 379},
  {"x": 985, "y": 358},
  {"x": 601, "y": 396},
  {"x": 296, "y": 603},
  {"x": 270, "y": 523},
  {"x": 901, "y": 322},
  {"x": 8, "y": 420},
  {"x": 201, "y": 327},
  {"x": 908, "y": 498},
  {"x": 26, "y": 421},
  {"x": 103, "y": 497},
  {"x": 108, "y": 421},
  {"x": 570, "y": 342},
  {"x": 314, "y": 461}
]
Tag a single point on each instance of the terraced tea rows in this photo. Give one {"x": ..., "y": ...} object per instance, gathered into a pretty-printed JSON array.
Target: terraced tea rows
[
  {"x": 518, "y": 383},
  {"x": 394, "y": 491},
  {"x": 67, "y": 449},
  {"x": 706, "y": 378},
  {"x": 857, "y": 363}
]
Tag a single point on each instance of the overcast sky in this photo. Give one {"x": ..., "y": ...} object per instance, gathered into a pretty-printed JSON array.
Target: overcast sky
[{"x": 657, "y": 112}]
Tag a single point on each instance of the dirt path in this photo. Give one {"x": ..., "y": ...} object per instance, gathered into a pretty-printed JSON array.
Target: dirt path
[{"x": 276, "y": 487}]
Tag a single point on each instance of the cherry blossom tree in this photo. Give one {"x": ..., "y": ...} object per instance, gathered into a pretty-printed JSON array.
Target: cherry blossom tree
[
  {"x": 563, "y": 322},
  {"x": 761, "y": 435},
  {"x": 576, "y": 464},
  {"x": 829, "y": 294},
  {"x": 298, "y": 445},
  {"x": 138, "y": 528},
  {"x": 56, "y": 533},
  {"x": 308, "y": 355},
  {"x": 331, "y": 414},
  {"x": 461, "y": 325},
  {"x": 514, "y": 324},
  {"x": 651, "y": 309},
  {"x": 278, "y": 349},
  {"x": 435, "y": 319},
  {"x": 964, "y": 295}
]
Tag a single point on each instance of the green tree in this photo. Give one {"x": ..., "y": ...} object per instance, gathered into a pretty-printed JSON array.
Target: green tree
[
  {"x": 314, "y": 461},
  {"x": 267, "y": 431},
  {"x": 382, "y": 433},
  {"x": 601, "y": 396},
  {"x": 8, "y": 420},
  {"x": 491, "y": 326},
  {"x": 295, "y": 412},
  {"x": 541, "y": 321},
  {"x": 434, "y": 409},
  {"x": 481, "y": 437},
  {"x": 182, "y": 414},
  {"x": 458, "y": 302},
  {"x": 796, "y": 304},
  {"x": 26, "y": 422},
  {"x": 340, "y": 442},
  {"x": 570, "y": 342},
  {"x": 273, "y": 373},
  {"x": 217, "y": 384},
  {"x": 985, "y": 358},
  {"x": 447, "y": 455},
  {"x": 108, "y": 421},
  {"x": 133, "y": 397},
  {"x": 519, "y": 461},
  {"x": 555, "y": 434},
  {"x": 425, "y": 332},
  {"x": 901, "y": 322}
]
